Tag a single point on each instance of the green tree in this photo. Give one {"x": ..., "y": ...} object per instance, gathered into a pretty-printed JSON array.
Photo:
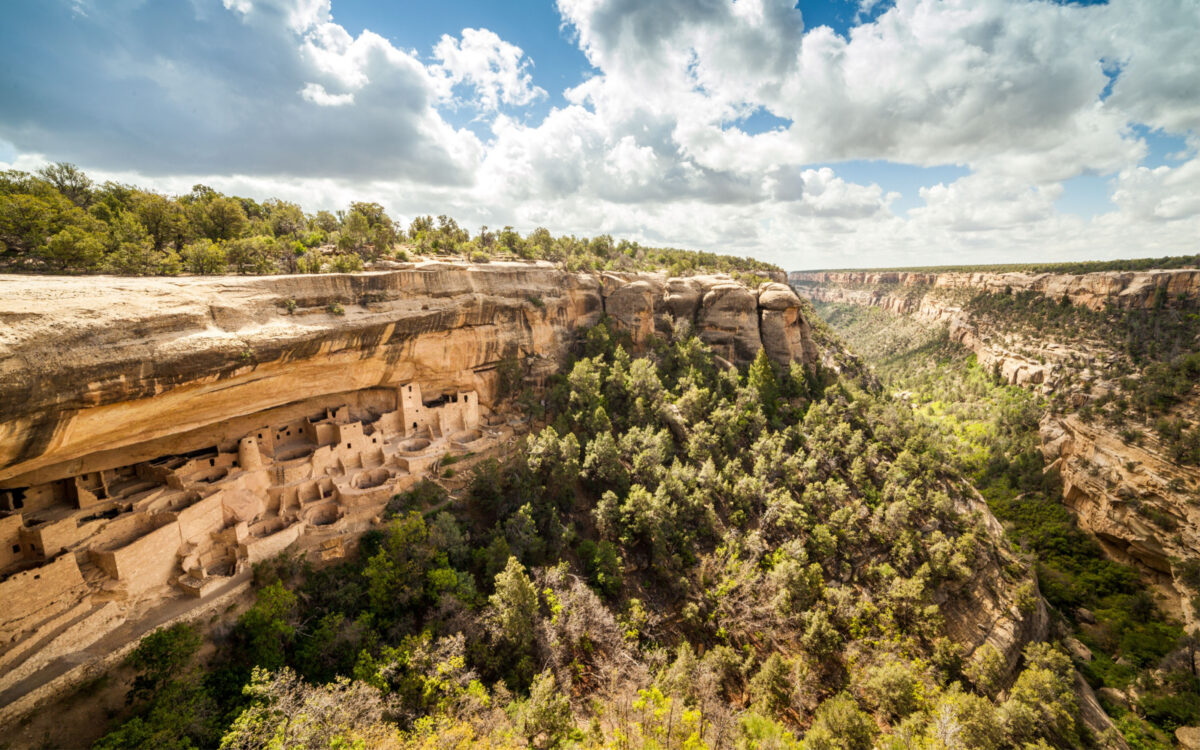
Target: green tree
[
  {"x": 268, "y": 627},
  {"x": 603, "y": 566},
  {"x": 894, "y": 687},
  {"x": 69, "y": 180},
  {"x": 1042, "y": 701},
  {"x": 771, "y": 686},
  {"x": 513, "y": 606},
  {"x": 164, "y": 220},
  {"x": 285, "y": 219},
  {"x": 251, "y": 254},
  {"x": 545, "y": 718},
  {"x": 396, "y": 574},
  {"x": 221, "y": 218},
  {"x": 160, "y": 657},
  {"x": 761, "y": 378},
  {"x": 75, "y": 249},
  {"x": 204, "y": 257},
  {"x": 840, "y": 724}
]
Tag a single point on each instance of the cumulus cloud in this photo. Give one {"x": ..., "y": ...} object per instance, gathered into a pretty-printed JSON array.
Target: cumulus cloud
[
  {"x": 275, "y": 97},
  {"x": 497, "y": 72},
  {"x": 241, "y": 87},
  {"x": 316, "y": 93},
  {"x": 1161, "y": 194}
]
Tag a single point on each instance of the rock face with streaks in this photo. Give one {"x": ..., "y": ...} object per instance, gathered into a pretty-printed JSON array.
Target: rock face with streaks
[
  {"x": 733, "y": 319},
  {"x": 158, "y": 436},
  {"x": 93, "y": 366},
  {"x": 1120, "y": 289},
  {"x": 1140, "y": 504}
]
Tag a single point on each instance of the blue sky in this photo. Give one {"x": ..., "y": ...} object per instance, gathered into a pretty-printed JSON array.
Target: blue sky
[{"x": 811, "y": 134}]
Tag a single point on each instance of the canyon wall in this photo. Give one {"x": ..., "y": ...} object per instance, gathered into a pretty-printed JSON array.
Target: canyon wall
[
  {"x": 98, "y": 372},
  {"x": 158, "y": 436},
  {"x": 1038, "y": 364},
  {"x": 1140, "y": 505},
  {"x": 1098, "y": 290}
]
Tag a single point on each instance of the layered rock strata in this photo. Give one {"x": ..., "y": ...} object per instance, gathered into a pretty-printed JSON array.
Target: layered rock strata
[
  {"x": 1138, "y": 503},
  {"x": 158, "y": 436},
  {"x": 93, "y": 367},
  {"x": 992, "y": 351},
  {"x": 1098, "y": 290}
]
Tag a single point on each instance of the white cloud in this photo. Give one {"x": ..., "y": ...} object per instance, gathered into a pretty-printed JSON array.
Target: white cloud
[
  {"x": 985, "y": 202},
  {"x": 497, "y": 71},
  {"x": 1160, "y": 194},
  {"x": 316, "y": 93},
  {"x": 229, "y": 89},
  {"x": 273, "y": 97}
]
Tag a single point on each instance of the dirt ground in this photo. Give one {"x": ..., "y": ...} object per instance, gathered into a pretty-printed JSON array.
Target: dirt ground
[
  {"x": 84, "y": 714},
  {"x": 77, "y": 719}
]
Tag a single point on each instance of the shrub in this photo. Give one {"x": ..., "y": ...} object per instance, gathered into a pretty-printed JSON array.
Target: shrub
[{"x": 840, "y": 725}]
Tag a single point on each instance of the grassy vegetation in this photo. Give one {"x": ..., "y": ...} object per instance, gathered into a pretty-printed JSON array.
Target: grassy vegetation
[{"x": 992, "y": 432}]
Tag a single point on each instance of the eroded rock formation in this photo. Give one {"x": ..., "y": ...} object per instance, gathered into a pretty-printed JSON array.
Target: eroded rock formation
[
  {"x": 735, "y": 320},
  {"x": 157, "y": 436},
  {"x": 1120, "y": 289},
  {"x": 1139, "y": 503},
  {"x": 100, "y": 366}
]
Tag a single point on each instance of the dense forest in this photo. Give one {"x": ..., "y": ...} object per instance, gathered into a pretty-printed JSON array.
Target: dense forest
[
  {"x": 58, "y": 221},
  {"x": 992, "y": 434},
  {"x": 1147, "y": 355},
  {"x": 680, "y": 556}
]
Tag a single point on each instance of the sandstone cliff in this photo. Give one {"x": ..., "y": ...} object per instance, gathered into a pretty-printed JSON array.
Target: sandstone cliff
[
  {"x": 159, "y": 436},
  {"x": 1038, "y": 364},
  {"x": 1120, "y": 289},
  {"x": 99, "y": 371},
  {"x": 1139, "y": 503}
]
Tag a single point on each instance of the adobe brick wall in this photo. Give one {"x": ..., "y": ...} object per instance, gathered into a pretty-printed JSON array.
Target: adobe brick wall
[
  {"x": 41, "y": 593},
  {"x": 149, "y": 561}
]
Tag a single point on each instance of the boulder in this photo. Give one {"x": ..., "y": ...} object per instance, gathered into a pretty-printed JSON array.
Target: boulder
[
  {"x": 1188, "y": 737},
  {"x": 1113, "y": 697},
  {"x": 1078, "y": 650}
]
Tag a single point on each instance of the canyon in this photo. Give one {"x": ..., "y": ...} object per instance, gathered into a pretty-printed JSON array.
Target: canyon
[
  {"x": 158, "y": 437},
  {"x": 1097, "y": 290},
  {"x": 1118, "y": 480}
]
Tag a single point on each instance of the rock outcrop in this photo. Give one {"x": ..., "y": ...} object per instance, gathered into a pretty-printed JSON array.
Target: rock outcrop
[
  {"x": 1098, "y": 290},
  {"x": 733, "y": 319},
  {"x": 159, "y": 436},
  {"x": 1134, "y": 500},
  {"x": 98, "y": 372},
  {"x": 1138, "y": 503},
  {"x": 991, "y": 607}
]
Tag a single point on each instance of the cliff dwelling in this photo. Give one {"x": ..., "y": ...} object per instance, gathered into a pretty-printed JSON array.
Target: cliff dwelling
[{"x": 194, "y": 520}]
